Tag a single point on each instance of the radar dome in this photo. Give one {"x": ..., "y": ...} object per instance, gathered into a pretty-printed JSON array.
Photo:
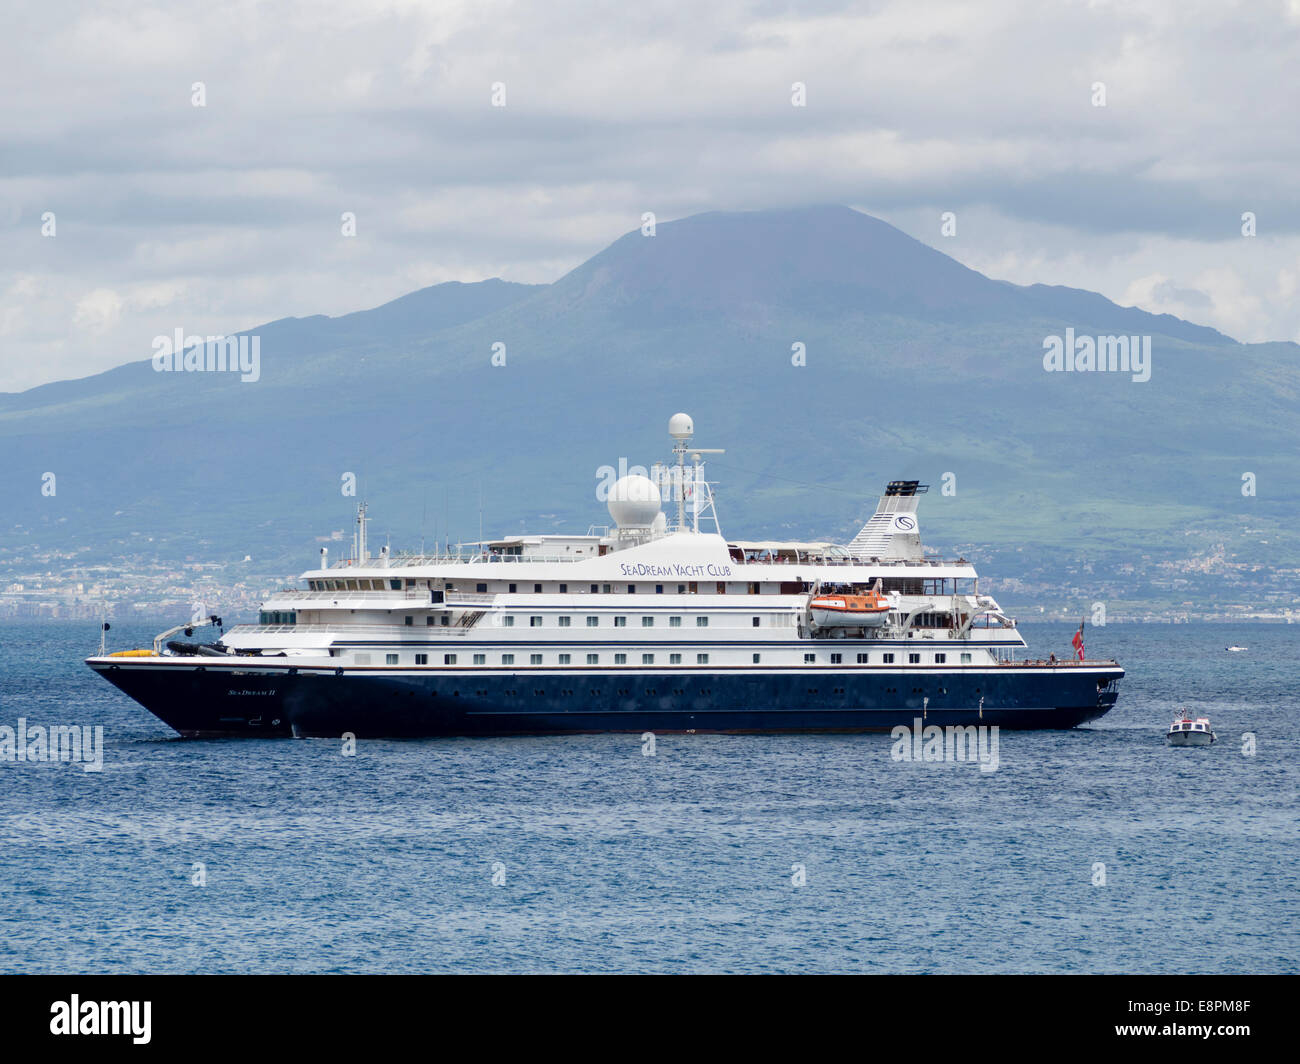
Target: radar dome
[
  {"x": 681, "y": 427},
  {"x": 634, "y": 501}
]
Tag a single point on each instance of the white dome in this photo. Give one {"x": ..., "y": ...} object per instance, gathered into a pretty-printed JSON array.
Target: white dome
[
  {"x": 634, "y": 501},
  {"x": 681, "y": 427}
]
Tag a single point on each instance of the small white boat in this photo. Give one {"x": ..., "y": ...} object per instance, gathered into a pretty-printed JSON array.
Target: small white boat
[
  {"x": 1236, "y": 649},
  {"x": 1185, "y": 731}
]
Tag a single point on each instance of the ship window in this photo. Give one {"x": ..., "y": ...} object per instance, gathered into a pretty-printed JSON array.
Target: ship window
[
  {"x": 449, "y": 659},
  {"x": 701, "y": 622},
  {"x": 647, "y": 622},
  {"x": 564, "y": 589},
  {"x": 565, "y": 622},
  {"x": 422, "y": 659},
  {"x": 507, "y": 659},
  {"x": 593, "y": 659},
  {"x": 514, "y": 588},
  {"x": 444, "y": 620},
  {"x": 755, "y": 622},
  {"x": 757, "y": 658},
  {"x": 390, "y": 659},
  {"x": 809, "y": 659},
  {"x": 480, "y": 588},
  {"x": 674, "y": 659},
  {"x": 862, "y": 659},
  {"x": 593, "y": 622},
  {"x": 701, "y": 659},
  {"x": 631, "y": 589},
  {"x": 965, "y": 659},
  {"x": 537, "y": 589},
  {"x": 722, "y": 588},
  {"x": 428, "y": 620},
  {"x": 674, "y": 622},
  {"x": 593, "y": 588},
  {"x": 753, "y": 589},
  {"x": 647, "y": 659},
  {"x": 694, "y": 586},
  {"x": 914, "y": 659},
  {"x": 605, "y": 588},
  {"x": 564, "y": 659},
  {"x": 410, "y": 620},
  {"x": 836, "y": 659},
  {"x": 534, "y": 659},
  {"x": 534, "y": 622},
  {"x": 620, "y": 622},
  {"x": 940, "y": 659},
  {"x": 480, "y": 659},
  {"x": 889, "y": 659},
  {"x": 620, "y": 659},
  {"x": 448, "y": 587},
  {"x": 395, "y": 585},
  {"x": 508, "y": 620},
  {"x": 681, "y": 589}
]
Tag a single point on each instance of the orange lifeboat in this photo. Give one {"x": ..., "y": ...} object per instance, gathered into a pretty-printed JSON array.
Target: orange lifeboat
[{"x": 850, "y": 611}]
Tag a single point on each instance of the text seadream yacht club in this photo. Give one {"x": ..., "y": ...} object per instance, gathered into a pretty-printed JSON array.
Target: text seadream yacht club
[{"x": 658, "y": 623}]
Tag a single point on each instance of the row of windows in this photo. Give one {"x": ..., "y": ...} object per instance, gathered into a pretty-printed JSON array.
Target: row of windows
[
  {"x": 673, "y": 659},
  {"x": 394, "y": 584}
]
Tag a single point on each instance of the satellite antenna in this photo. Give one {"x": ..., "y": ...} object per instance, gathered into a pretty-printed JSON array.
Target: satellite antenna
[{"x": 681, "y": 428}]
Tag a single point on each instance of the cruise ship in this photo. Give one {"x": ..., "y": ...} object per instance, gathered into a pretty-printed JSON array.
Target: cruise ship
[{"x": 656, "y": 623}]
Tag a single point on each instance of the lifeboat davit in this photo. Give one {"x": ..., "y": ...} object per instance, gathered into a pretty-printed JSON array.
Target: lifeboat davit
[{"x": 850, "y": 611}]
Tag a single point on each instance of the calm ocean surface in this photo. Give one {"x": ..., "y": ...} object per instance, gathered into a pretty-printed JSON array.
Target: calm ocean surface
[{"x": 614, "y": 861}]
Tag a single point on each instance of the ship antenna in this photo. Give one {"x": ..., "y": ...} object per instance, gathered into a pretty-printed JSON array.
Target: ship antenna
[{"x": 681, "y": 428}]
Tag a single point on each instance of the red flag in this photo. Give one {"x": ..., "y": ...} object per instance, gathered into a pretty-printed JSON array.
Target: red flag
[{"x": 1077, "y": 641}]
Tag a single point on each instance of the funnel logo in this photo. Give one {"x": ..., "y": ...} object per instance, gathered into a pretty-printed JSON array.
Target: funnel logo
[{"x": 905, "y": 523}]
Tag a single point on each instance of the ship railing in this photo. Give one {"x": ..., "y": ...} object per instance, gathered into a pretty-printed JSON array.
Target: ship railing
[
  {"x": 399, "y": 631},
  {"x": 403, "y": 594}
]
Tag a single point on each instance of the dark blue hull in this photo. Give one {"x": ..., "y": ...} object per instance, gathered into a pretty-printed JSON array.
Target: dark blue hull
[{"x": 205, "y": 699}]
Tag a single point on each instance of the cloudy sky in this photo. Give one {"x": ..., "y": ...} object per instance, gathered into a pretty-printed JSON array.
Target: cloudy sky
[{"x": 220, "y": 217}]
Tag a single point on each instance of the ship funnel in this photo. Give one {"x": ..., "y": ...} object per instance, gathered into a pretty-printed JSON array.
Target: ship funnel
[{"x": 893, "y": 533}]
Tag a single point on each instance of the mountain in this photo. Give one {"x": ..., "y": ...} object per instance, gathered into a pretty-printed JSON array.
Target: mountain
[{"x": 916, "y": 366}]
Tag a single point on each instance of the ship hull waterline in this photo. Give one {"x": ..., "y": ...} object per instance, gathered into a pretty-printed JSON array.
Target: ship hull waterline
[{"x": 207, "y": 700}]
